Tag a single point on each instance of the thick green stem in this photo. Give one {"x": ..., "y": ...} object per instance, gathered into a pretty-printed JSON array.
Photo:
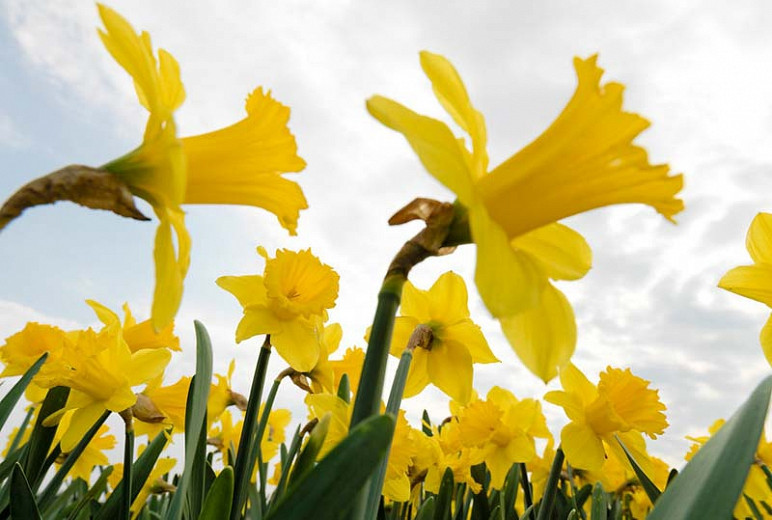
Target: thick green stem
[
  {"x": 551, "y": 489},
  {"x": 256, "y": 454},
  {"x": 368, "y": 397},
  {"x": 244, "y": 461}
]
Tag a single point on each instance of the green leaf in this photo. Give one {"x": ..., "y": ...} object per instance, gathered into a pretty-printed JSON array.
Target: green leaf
[
  {"x": 426, "y": 424},
  {"x": 140, "y": 471},
  {"x": 22, "y": 500},
  {"x": 195, "y": 418},
  {"x": 511, "y": 484},
  {"x": 426, "y": 511},
  {"x": 42, "y": 437},
  {"x": 599, "y": 510},
  {"x": 648, "y": 486},
  {"x": 710, "y": 484},
  {"x": 344, "y": 388},
  {"x": 97, "y": 489},
  {"x": 445, "y": 496},
  {"x": 307, "y": 457},
  {"x": 218, "y": 501},
  {"x": 329, "y": 490},
  {"x": 49, "y": 493},
  {"x": 551, "y": 488},
  {"x": 528, "y": 513},
  {"x": 16, "y": 391}
]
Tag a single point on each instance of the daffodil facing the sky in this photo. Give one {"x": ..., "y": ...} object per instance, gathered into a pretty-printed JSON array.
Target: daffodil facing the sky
[
  {"x": 239, "y": 164},
  {"x": 456, "y": 342},
  {"x": 289, "y": 302},
  {"x": 586, "y": 159},
  {"x": 621, "y": 405},
  {"x": 755, "y": 281}
]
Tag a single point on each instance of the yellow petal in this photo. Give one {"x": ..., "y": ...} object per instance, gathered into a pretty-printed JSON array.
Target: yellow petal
[
  {"x": 257, "y": 319},
  {"x": 470, "y": 335},
  {"x": 297, "y": 343},
  {"x": 751, "y": 281},
  {"x": 508, "y": 281},
  {"x": 569, "y": 401},
  {"x": 415, "y": 303},
  {"x": 432, "y": 141},
  {"x": 583, "y": 449},
  {"x": 586, "y": 159},
  {"x": 560, "y": 251},
  {"x": 759, "y": 239},
  {"x": 448, "y": 299},
  {"x": 574, "y": 381},
  {"x": 544, "y": 337},
  {"x": 82, "y": 420},
  {"x": 248, "y": 290},
  {"x": 105, "y": 315},
  {"x": 452, "y": 94},
  {"x": 766, "y": 340},
  {"x": 417, "y": 374},
  {"x": 171, "y": 267},
  {"x": 449, "y": 365},
  {"x": 147, "y": 364}
]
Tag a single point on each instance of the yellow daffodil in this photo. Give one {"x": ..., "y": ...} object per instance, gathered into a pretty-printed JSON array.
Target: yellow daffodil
[
  {"x": 93, "y": 455},
  {"x": 320, "y": 405},
  {"x": 221, "y": 395},
  {"x": 457, "y": 342},
  {"x": 168, "y": 401},
  {"x": 101, "y": 372},
  {"x": 351, "y": 365},
  {"x": 622, "y": 404},
  {"x": 138, "y": 336},
  {"x": 584, "y": 160},
  {"x": 755, "y": 281},
  {"x": 228, "y": 433},
  {"x": 445, "y": 449},
  {"x": 289, "y": 302},
  {"x": 501, "y": 430},
  {"x": 396, "y": 484},
  {"x": 154, "y": 484},
  {"x": 240, "y": 164},
  {"x": 322, "y": 375}
]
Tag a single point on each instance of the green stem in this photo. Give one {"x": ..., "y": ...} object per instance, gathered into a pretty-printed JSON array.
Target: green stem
[
  {"x": 527, "y": 497},
  {"x": 368, "y": 397},
  {"x": 392, "y": 407},
  {"x": 550, "y": 490},
  {"x": 256, "y": 454},
  {"x": 128, "y": 462},
  {"x": 244, "y": 463}
]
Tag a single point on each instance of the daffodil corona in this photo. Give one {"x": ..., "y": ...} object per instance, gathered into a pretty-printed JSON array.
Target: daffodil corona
[{"x": 584, "y": 160}]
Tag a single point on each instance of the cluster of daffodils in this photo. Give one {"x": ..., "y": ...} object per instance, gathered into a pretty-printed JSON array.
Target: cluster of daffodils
[{"x": 353, "y": 454}]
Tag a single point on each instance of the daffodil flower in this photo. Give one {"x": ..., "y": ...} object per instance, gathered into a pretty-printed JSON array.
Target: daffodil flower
[
  {"x": 322, "y": 375},
  {"x": 289, "y": 302},
  {"x": 584, "y": 160},
  {"x": 239, "y": 164},
  {"x": 755, "y": 281},
  {"x": 169, "y": 401},
  {"x": 501, "y": 429},
  {"x": 622, "y": 404},
  {"x": 351, "y": 365},
  {"x": 457, "y": 342}
]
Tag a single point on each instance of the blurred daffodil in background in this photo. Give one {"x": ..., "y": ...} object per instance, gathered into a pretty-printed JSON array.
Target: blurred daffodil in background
[{"x": 586, "y": 159}]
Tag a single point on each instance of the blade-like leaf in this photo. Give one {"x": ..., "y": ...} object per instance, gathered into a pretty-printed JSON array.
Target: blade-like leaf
[
  {"x": 648, "y": 486},
  {"x": 22, "y": 500},
  {"x": 195, "y": 418},
  {"x": 599, "y": 509},
  {"x": 710, "y": 484},
  {"x": 426, "y": 511},
  {"x": 42, "y": 436},
  {"x": 139, "y": 473},
  {"x": 218, "y": 501},
  {"x": 12, "y": 397},
  {"x": 445, "y": 496},
  {"x": 93, "y": 493},
  {"x": 307, "y": 457},
  {"x": 329, "y": 490}
]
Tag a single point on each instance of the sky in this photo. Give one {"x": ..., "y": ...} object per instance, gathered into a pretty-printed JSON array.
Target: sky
[{"x": 699, "y": 71}]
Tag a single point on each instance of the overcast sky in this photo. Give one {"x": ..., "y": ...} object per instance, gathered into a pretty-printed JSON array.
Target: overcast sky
[{"x": 699, "y": 71}]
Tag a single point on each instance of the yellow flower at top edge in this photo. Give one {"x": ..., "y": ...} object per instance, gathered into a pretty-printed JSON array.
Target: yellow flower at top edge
[
  {"x": 755, "y": 281},
  {"x": 289, "y": 302},
  {"x": 622, "y": 404},
  {"x": 457, "y": 342},
  {"x": 584, "y": 160},
  {"x": 239, "y": 164}
]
